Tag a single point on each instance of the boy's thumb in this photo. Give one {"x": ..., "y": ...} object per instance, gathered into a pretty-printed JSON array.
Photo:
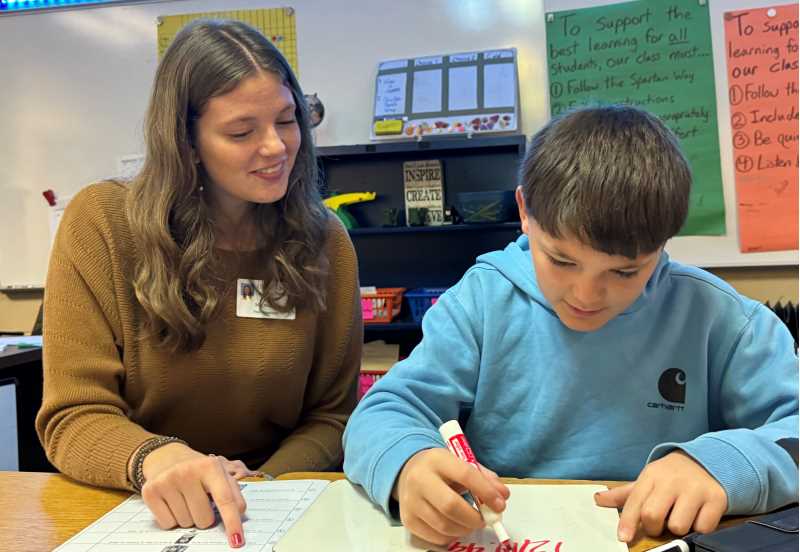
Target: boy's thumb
[{"x": 613, "y": 498}]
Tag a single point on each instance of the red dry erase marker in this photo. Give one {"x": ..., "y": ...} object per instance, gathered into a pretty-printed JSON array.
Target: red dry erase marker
[
  {"x": 456, "y": 441},
  {"x": 50, "y": 197}
]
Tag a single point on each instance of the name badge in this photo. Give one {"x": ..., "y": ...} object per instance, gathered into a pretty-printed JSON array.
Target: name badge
[{"x": 248, "y": 299}]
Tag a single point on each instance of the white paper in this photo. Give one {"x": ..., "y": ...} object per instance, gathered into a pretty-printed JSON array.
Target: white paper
[
  {"x": 272, "y": 508},
  {"x": 470, "y": 57},
  {"x": 390, "y": 96},
  {"x": 393, "y": 64},
  {"x": 543, "y": 515},
  {"x": 463, "y": 88},
  {"x": 498, "y": 54},
  {"x": 426, "y": 61},
  {"x": 499, "y": 85},
  {"x": 427, "y": 93}
]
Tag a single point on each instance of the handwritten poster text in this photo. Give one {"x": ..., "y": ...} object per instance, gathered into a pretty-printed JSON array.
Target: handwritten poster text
[
  {"x": 762, "y": 61},
  {"x": 655, "y": 55}
]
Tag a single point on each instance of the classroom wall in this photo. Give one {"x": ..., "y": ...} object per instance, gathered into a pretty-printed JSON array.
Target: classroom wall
[
  {"x": 771, "y": 284},
  {"x": 76, "y": 84}
]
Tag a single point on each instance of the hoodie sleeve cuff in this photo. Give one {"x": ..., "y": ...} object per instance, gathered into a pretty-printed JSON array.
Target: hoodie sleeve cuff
[
  {"x": 726, "y": 463},
  {"x": 387, "y": 467}
]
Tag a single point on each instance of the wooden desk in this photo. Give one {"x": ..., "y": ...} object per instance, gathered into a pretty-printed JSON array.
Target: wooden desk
[
  {"x": 42, "y": 510},
  {"x": 24, "y": 367}
]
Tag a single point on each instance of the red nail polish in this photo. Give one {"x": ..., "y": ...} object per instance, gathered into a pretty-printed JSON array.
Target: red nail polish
[{"x": 236, "y": 540}]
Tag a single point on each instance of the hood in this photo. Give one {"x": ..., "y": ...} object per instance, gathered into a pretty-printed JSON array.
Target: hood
[{"x": 515, "y": 264}]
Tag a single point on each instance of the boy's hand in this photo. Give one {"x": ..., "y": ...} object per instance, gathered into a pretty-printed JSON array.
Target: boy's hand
[
  {"x": 674, "y": 490},
  {"x": 181, "y": 482},
  {"x": 429, "y": 493}
]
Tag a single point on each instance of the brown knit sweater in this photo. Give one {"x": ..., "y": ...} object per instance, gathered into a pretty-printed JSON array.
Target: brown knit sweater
[{"x": 274, "y": 393}]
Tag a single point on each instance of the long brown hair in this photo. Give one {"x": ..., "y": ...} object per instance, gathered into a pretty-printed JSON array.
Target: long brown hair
[{"x": 176, "y": 279}]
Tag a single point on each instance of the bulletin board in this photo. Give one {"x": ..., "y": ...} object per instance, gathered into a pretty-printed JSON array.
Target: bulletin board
[{"x": 455, "y": 94}]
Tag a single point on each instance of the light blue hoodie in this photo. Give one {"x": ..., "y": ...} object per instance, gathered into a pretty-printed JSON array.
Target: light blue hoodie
[{"x": 691, "y": 365}]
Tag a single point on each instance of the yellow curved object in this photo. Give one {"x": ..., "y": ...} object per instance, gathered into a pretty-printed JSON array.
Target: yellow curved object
[{"x": 347, "y": 199}]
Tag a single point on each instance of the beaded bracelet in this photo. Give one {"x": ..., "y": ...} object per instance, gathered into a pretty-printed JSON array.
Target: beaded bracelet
[{"x": 138, "y": 458}]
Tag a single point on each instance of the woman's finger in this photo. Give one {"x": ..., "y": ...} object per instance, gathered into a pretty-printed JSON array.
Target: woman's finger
[
  {"x": 199, "y": 505},
  {"x": 156, "y": 504},
  {"x": 177, "y": 505},
  {"x": 237, "y": 495},
  {"x": 216, "y": 483}
]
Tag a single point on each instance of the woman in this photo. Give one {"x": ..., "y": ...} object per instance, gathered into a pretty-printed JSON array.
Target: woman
[{"x": 154, "y": 376}]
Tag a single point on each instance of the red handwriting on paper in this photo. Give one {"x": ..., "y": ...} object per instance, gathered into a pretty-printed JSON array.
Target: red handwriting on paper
[
  {"x": 524, "y": 546},
  {"x": 457, "y": 546}
]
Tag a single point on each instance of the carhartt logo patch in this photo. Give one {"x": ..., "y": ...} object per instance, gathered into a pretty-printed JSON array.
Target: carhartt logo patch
[{"x": 672, "y": 385}]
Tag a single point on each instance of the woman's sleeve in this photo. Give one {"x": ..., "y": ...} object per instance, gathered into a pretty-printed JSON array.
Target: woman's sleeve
[
  {"x": 330, "y": 397},
  {"x": 83, "y": 423}
]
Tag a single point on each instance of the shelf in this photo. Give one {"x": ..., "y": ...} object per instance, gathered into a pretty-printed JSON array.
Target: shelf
[
  {"x": 392, "y": 327},
  {"x": 499, "y": 226},
  {"x": 21, "y": 289},
  {"x": 514, "y": 142}
]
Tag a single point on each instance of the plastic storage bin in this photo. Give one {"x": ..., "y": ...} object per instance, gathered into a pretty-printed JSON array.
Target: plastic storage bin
[
  {"x": 494, "y": 206},
  {"x": 367, "y": 379},
  {"x": 383, "y": 305},
  {"x": 421, "y": 299}
]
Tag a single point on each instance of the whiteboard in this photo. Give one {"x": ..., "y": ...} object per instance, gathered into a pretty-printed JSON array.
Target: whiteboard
[{"x": 76, "y": 83}]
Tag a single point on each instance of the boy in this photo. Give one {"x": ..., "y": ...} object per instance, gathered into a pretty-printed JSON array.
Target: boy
[{"x": 607, "y": 361}]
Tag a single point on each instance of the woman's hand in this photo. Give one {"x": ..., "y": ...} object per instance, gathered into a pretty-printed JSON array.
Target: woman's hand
[
  {"x": 674, "y": 492},
  {"x": 180, "y": 484},
  {"x": 429, "y": 489}
]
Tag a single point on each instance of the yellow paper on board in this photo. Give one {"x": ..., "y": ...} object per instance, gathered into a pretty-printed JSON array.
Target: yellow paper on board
[{"x": 277, "y": 24}]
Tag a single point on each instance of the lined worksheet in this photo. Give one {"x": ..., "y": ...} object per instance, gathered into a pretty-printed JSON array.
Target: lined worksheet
[{"x": 272, "y": 507}]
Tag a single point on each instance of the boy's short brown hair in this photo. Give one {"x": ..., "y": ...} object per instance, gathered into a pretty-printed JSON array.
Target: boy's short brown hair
[{"x": 613, "y": 177}]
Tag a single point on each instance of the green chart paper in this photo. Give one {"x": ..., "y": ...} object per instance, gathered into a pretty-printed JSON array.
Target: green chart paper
[{"x": 652, "y": 54}]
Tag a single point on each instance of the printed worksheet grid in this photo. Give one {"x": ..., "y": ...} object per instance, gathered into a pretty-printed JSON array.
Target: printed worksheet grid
[{"x": 272, "y": 508}]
